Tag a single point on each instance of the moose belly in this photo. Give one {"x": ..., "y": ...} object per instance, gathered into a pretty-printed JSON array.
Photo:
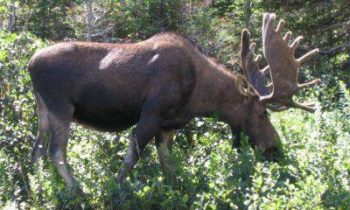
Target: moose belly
[
  {"x": 111, "y": 121},
  {"x": 105, "y": 111}
]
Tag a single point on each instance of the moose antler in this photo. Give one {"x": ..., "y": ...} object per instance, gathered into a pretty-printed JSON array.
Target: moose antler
[
  {"x": 251, "y": 70},
  {"x": 283, "y": 65}
]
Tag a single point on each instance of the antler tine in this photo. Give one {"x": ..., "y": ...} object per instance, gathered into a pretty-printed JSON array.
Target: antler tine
[
  {"x": 252, "y": 47},
  {"x": 283, "y": 65},
  {"x": 296, "y": 43},
  {"x": 305, "y": 57},
  {"x": 257, "y": 58},
  {"x": 277, "y": 108},
  {"x": 266, "y": 70},
  {"x": 309, "y": 84},
  {"x": 250, "y": 65},
  {"x": 268, "y": 26},
  {"x": 269, "y": 22},
  {"x": 286, "y": 36},
  {"x": 280, "y": 26},
  {"x": 310, "y": 107}
]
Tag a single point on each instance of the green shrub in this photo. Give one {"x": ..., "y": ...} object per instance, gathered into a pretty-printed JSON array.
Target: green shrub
[{"x": 210, "y": 174}]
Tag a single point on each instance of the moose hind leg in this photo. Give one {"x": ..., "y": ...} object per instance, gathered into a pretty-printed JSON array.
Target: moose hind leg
[
  {"x": 59, "y": 138},
  {"x": 130, "y": 159},
  {"x": 40, "y": 145},
  {"x": 164, "y": 140}
]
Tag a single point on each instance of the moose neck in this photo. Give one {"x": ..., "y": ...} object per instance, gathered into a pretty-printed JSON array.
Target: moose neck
[{"x": 216, "y": 91}]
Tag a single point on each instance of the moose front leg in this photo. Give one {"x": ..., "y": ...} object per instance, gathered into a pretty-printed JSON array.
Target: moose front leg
[
  {"x": 145, "y": 130},
  {"x": 236, "y": 141},
  {"x": 164, "y": 141}
]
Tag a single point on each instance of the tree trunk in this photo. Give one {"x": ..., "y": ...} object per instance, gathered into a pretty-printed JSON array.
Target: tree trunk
[
  {"x": 162, "y": 17},
  {"x": 12, "y": 17},
  {"x": 247, "y": 12},
  {"x": 192, "y": 7},
  {"x": 123, "y": 5},
  {"x": 89, "y": 18},
  {"x": 1, "y": 22}
]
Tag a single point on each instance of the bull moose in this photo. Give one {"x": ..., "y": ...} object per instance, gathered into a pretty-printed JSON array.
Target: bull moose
[{"x": 160, "y": 84}]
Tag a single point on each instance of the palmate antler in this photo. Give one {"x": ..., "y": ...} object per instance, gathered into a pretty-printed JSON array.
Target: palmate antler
[
  {"x": 282, "y": 65},
  {"x": 251, "y": 70}
]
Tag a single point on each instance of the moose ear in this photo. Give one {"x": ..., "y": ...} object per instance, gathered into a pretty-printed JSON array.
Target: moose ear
[{"x": 244, "y": 87}]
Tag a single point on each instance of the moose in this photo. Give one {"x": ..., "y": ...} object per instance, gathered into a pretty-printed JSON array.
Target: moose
[{"x": 160, "y": 84}]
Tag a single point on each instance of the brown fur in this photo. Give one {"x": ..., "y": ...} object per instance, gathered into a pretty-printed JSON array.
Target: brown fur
[{"x": 159, "y": 84}]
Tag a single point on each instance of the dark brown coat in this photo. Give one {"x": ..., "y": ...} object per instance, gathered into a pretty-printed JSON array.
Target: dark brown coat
[{"x": 159, "y": 84}]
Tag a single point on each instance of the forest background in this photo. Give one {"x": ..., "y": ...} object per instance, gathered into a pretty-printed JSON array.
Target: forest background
[{"x": 314, "y": 173}]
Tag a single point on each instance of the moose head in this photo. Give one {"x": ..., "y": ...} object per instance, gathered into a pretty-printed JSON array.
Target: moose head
[{"x": 282, "y": 69}]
